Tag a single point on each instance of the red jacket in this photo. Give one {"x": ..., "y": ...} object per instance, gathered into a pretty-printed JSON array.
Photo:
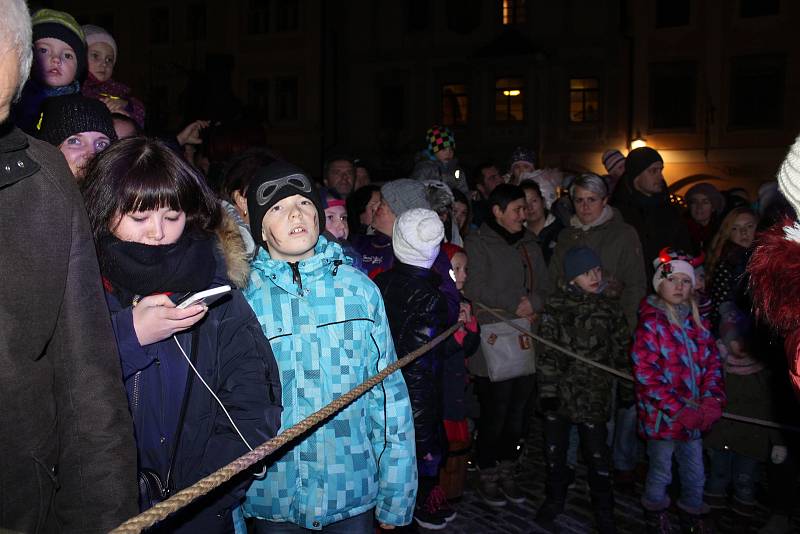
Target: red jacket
[{"x": 673, "y": 365}]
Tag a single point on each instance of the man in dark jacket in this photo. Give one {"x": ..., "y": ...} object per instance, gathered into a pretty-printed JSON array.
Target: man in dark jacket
[
  {"x": 68, "y": 461},
  {"x": 642, "y": 199}
]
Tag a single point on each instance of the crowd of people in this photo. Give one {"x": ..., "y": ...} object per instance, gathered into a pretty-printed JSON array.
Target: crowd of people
[{"x": 113, "y": 377}]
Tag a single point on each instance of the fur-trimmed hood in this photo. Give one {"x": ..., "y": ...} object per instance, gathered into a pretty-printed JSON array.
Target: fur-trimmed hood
[{"x": 231, "y": 247}]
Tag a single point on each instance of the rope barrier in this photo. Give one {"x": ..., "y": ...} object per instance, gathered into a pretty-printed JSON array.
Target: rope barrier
[
  {"x": 625, "y": 376},
  {"x": 162, "y": 510}
]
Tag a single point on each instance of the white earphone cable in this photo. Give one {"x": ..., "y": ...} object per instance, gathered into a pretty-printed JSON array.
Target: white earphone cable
[{"x": 189, "y": 361}]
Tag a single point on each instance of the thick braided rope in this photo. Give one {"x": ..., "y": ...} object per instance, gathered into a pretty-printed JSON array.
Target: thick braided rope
[
  {"x": 165, "y": 508},
  {"x": 625, "y": 376}
]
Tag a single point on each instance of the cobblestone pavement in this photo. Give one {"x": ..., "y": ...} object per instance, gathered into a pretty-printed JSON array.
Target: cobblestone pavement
[{"x": 474, "y": 516}]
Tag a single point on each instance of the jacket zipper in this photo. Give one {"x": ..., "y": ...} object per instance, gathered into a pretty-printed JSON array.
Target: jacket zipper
[{"x": 137, "y": 383}]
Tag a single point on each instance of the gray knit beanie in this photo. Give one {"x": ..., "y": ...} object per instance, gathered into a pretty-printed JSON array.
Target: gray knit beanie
[{"x": 405, "y": 194}]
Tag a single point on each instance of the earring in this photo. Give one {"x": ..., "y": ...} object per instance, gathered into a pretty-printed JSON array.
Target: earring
[{"x": 245, "y": 213}]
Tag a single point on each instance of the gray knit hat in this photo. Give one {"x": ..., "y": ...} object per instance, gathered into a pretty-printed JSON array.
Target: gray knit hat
[
  {"x": 405, "y": 194},
  {"x": 63, "y": 116}
]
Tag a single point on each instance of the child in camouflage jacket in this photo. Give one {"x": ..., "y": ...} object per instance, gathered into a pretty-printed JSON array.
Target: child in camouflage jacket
[{"x": 581, "y": 317}]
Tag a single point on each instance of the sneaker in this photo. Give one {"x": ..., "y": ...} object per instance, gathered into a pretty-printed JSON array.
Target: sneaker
[
  {"x": 488, "y": 488},
  {"x": 428, "y": 519},
  {"x": 437, "y": 503},
  {"x": 508, "y": 486}
]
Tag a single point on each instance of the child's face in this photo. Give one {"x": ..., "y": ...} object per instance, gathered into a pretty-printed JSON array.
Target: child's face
[
  {"x": 56, "y": 62},
  {"x": 445, "y": 155},
  {"x": 290, "y": 229},
  {"x": 459, "y": 263},
  {"x": 675, "y": 288},
  {"x": 336, "y": 222},
  {"x": 699, "y": 280},
  {"x": 101, "y": 61},
  {"x": 590, "y": 281},
  {"x": 460, "y": 212}
]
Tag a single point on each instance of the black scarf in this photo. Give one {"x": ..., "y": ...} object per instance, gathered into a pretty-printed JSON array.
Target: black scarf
[
  {"x": 136, "y": 269},
  {"x": 509, "y": 238}
]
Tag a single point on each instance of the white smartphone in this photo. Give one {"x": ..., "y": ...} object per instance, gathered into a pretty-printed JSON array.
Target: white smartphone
[{"x": 207, "y": 297}]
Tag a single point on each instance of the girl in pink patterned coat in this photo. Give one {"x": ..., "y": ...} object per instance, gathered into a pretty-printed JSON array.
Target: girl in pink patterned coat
[{"x": 679, "y": 390}]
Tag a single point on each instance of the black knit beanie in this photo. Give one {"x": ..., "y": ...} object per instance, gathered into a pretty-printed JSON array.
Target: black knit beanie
[
  {"x": 273, "y": 183},
  {"x": 639, "y": 159},
  {"x": 63, "y": 116},
  {"x": 62, "y": 26}
]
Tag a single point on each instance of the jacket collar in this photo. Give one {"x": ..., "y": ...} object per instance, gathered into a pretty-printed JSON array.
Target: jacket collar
[
  {"x": 328, "y": 256},
  {"x": 606, "y": 215},
  {"x": 15, "y": 164},
  {"x": 417, "y": 272}
]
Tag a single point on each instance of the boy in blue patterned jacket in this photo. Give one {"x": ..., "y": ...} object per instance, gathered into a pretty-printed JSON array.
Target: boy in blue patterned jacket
[{"x": 327, "y": 326}]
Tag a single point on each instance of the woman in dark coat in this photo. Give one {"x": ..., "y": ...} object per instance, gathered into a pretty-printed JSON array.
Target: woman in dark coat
[{"x": 159, "y": 232}]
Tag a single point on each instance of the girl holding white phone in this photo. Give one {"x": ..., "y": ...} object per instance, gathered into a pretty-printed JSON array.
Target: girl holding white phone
[{"x": 160, "y": 231}]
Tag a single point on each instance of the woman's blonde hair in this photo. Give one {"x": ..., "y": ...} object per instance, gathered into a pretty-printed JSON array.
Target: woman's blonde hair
[{"x": 722, "y": 237}]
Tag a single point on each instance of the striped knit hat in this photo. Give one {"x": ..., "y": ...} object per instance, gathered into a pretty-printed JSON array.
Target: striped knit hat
[
  {"x": 62, "y": 26},
  {"x": 439, "y": 138}
]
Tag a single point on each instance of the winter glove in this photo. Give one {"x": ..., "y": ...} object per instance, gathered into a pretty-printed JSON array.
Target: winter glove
[
  {"x": 711, "y": 409},
  {"x": 690, "y": 418},
  {"x": 549, "y": 404},
  {"x": 779, "y": 453}
]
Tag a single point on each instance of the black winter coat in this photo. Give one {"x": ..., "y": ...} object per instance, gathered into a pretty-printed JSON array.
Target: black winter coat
[
  {"x": 236, "y": 361},
  {"x": 67, "y": 457},
  {"x": 658, "y": 222},
  {"x": 417, "y": 313}
]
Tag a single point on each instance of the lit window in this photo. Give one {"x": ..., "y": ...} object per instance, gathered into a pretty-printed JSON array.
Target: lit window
[
  {"x": 455, "y": 104},
  {"x": 509, "y": 99},
  {"x": 584, "y": 100},
  {"x": 513, "y": 12}
]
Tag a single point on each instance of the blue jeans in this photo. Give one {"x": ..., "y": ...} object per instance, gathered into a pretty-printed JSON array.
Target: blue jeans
[
  {"x": 358, "y": 524},
  {"x": 627, "y": 445},
  {"x": 689, "y": 455},
  {"x": 727, "y": 466}
]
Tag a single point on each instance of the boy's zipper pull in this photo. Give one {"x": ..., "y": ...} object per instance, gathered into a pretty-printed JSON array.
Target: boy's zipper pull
[
  {"x": 336, "y": 264},
  {"x": 296, "y": 278}
]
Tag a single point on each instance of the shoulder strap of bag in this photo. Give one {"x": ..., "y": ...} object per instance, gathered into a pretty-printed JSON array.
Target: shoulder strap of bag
[
  {"x": 526, "y": 259},
  {"x": 184, "y": 405}
]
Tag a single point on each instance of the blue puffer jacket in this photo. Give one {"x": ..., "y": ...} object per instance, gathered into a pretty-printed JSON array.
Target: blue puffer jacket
[
  {"x": 329, "y": 332},
  {"x": 236, "y": 361}
]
